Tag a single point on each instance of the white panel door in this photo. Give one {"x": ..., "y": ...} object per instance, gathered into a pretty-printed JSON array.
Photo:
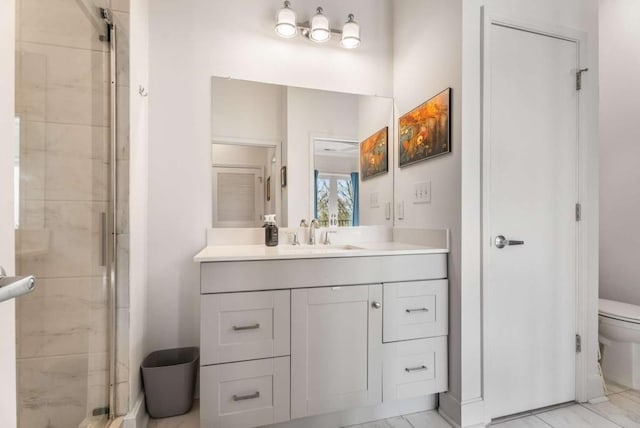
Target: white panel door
[
  {"x": 7, "y": 250},
  {"x": 531, "y": 154},
  {"x": 336, "y": 349}
]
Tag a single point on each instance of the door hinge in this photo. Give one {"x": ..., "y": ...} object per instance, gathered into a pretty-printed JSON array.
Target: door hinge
[
  {"x": 579, "y": 78},
  {"x": 578, "y": 343},
  {"x": 578, "y": 211},
  {"x": 98, "y": 411}
]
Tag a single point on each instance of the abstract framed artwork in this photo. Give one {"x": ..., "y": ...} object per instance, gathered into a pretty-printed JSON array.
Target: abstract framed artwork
[
  {"x": 374, "y": 154},
  {"x": 425, "y": 132}
]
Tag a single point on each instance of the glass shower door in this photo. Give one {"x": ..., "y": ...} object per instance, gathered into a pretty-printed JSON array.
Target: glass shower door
[{"x": 62, "y": 201}]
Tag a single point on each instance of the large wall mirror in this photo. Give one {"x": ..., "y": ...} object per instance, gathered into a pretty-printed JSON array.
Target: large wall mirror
[{"x": 296, "y": 153}]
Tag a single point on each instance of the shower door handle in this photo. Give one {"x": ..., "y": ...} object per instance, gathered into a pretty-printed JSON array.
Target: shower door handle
[
  {"x": 15, "y": 286},
  {"x": 103, "y": 239}
]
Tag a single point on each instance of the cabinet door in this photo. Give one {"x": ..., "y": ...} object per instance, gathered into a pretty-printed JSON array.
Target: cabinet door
[{"x": 336, "y": 349}]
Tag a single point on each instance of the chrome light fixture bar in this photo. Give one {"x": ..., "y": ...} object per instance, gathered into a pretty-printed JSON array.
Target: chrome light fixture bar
[{"x": 318, "y": 29}]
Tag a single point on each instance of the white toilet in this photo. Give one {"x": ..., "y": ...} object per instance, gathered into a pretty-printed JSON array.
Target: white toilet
[{"x": 619, "y": 332}]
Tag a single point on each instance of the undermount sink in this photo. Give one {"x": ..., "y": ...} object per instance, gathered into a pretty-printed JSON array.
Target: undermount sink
[{"x": 317, "y": 249}]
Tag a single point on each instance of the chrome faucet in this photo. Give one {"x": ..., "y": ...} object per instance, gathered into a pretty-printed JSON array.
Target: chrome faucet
[
  {"x": 327, "y": 240},
  {"x": 295, "y": 239},
  {"x": 313, "y": 225}
]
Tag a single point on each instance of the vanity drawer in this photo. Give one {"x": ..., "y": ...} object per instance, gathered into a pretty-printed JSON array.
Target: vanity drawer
[
  {"x": 414, "y": 310},
  {"x": 244, "y": 326},
  {"x": 414, "y": 368},
  {"x": 246, "y": 394}
]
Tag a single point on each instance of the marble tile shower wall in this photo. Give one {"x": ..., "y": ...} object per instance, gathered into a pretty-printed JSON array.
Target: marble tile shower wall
[{"x": 62, "y": 102}]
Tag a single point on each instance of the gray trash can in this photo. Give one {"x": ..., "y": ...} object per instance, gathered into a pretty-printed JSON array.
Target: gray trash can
[{"x": 169, "y": 380}]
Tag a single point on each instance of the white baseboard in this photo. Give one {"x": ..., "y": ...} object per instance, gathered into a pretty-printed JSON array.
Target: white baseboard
[
  {"x": 137, "y": 417},
  {"x": 362, "y": 414},
  {"x": 469, "y": 414},
  {"x": 473, "y": 413},
  {"x": 448, "y": 419},
  {"x": 449, "y": 409}
]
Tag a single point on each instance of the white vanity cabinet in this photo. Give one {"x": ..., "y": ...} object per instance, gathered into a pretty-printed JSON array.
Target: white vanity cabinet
[
  {"x": 319, "y": 337},
  {"x": 336, "y": 344}
]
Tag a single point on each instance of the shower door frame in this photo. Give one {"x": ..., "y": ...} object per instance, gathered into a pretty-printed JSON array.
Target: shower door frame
[{"x": 109, "y": 231}]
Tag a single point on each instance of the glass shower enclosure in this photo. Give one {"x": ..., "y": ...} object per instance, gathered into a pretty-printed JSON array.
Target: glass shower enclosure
[{"x": 65, "y": 210}]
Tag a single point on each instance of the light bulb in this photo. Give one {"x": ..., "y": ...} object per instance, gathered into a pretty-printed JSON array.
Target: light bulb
[
  {"x": 350, "y": 34},
  {"x": 320, "y": 31},
  {"x": 286, "y": 22}
]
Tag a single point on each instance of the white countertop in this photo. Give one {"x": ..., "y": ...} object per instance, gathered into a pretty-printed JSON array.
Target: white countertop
[{"x": 219, "y": 253}]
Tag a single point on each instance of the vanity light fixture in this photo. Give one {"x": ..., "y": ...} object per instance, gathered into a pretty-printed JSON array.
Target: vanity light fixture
[{"x": 318, "y": 29}]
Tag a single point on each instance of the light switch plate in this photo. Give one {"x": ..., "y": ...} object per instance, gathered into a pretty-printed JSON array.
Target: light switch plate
[
  {"x": 373, "y": 200},
  {"x": 422, "y": 192}
]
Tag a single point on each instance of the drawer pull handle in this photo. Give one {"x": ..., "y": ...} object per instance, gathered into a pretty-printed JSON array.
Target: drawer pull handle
[
  {"x": 415, "y": 369},
  {"x": 416, "y": 310},
  {"x": 246, "y": 327},
  {"x": 246, "y": 397}
]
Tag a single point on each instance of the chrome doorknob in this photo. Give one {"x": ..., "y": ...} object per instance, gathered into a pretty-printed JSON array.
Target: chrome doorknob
[
  {"x": 376, "y": 305},
  {"x": 502, "y": 242},
  {"x": 14, "y": 286}
]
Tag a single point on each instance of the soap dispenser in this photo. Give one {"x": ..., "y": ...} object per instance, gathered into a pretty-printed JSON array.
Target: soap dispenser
[{"x": 270, "y": 230}]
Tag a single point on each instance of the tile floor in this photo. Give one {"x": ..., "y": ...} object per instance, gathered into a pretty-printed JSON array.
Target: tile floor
[{"x": 621, "y": 410}]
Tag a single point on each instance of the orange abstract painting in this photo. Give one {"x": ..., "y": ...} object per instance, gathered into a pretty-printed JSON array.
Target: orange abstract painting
[
  {"x": 373, "y": 154},
  {"x": 425, "y": 131}
]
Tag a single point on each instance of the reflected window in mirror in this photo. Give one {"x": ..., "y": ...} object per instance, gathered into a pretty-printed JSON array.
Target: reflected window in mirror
[
  {"x": 336, "y": 183},
  {"x": 336, "y": 200}
]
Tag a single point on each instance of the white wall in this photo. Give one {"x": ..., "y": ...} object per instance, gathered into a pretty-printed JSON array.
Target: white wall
[
  {"x": 619, "y": 150},
  {"x": 427, "y": 60},
  {"x": 574, "y": 14},
  {"x": 189, "y": 42},
  {"x": 8, "y": 412},
  {"x": 242, "y": 109},
  {"x": 138, "y": 194},
  {"x": 373, "y": 115}
]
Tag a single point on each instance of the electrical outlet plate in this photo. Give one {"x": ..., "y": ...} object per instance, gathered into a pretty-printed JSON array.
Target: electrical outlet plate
[{"x": 422, "y": 192}]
